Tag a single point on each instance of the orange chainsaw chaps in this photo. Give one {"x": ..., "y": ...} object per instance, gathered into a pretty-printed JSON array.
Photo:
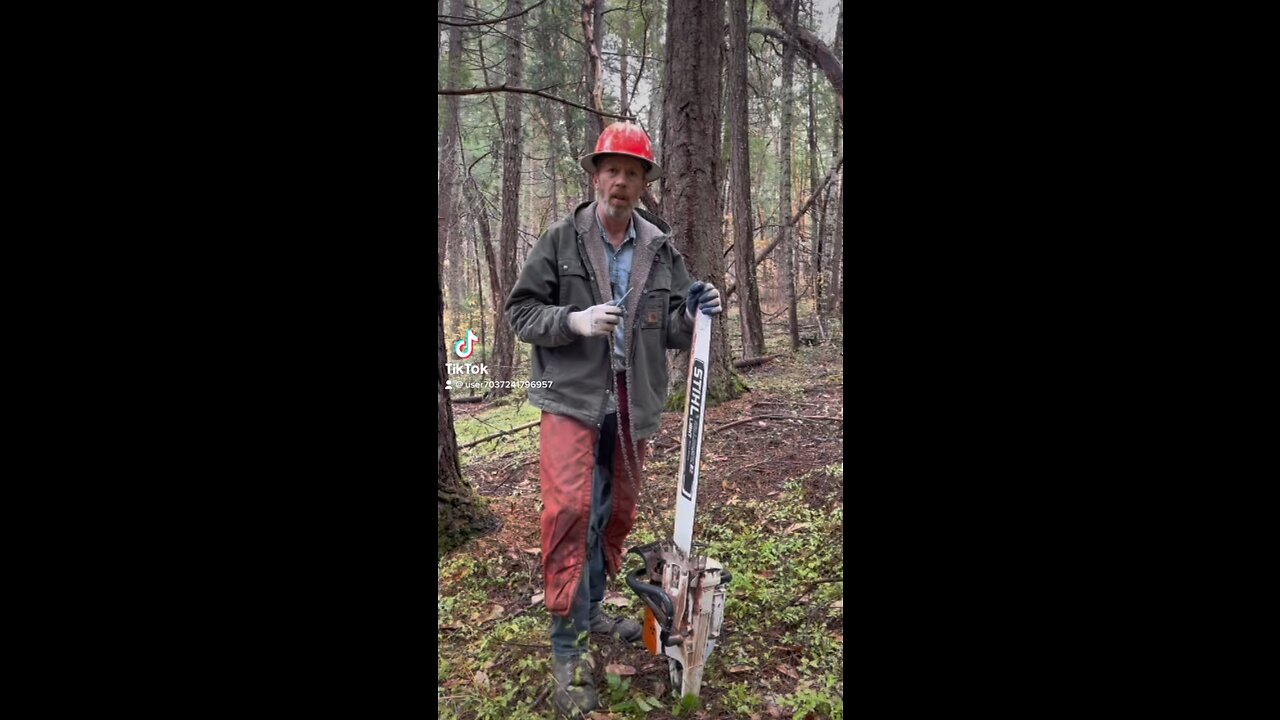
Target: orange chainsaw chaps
[{"x": 650, "y": 632}]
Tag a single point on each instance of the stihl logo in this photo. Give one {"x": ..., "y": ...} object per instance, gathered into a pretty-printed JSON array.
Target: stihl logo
[{"x": 693, "y": 429}]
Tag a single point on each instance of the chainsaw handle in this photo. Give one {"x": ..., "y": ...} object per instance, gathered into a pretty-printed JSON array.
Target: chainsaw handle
[{"x": 653, "y": 597}]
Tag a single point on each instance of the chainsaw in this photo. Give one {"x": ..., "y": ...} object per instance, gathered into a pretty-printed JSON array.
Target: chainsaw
[{"x": 683, "y": 592}]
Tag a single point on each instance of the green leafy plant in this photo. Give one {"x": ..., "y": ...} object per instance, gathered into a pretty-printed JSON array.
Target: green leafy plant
[{"x": 622, "y": 699}]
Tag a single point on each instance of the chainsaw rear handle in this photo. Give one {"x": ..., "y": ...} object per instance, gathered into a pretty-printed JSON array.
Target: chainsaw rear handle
[{"x": 655, "y": 599}]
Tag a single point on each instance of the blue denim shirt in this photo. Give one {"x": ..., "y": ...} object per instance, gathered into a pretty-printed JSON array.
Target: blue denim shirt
[{"x": 619, "y": 276}]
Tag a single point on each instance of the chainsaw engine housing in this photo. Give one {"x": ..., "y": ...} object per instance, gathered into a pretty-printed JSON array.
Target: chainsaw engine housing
[{"x": 684, "y": 608}]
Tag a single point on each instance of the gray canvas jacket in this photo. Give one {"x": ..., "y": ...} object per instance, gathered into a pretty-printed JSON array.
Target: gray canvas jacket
[{"x": 567, "y": 271}]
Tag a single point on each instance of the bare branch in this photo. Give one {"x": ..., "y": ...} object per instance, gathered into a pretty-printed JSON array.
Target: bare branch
[
  {"x": 768, "y": 417},
  {"x": 774, "y": 33},
  {"x": 441, "y": 18},
  {"x": 505, "y": 88},
  {"x": 811, "y": 46},
  {"x": 751, "y": 362},
  {"x": 494, "y": 436},
  {"x": 805, "y": 208}
]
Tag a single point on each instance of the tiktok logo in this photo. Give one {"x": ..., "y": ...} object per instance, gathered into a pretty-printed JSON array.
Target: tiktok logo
[{"x": 458, "y": 347}]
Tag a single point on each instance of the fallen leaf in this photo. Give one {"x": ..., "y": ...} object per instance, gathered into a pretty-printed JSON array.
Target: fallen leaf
[
  {"x": 495, "y": 611},
  {"x": 449, "y": 627},
  {"x": 536, "y": 598},
  {"x": 840, "y": 638},
  {"x": 620, "y": 669},
  {"x": 740, "y": 668},
  {"x": 766, "y": 574},
  {"x": 481, "y": 679},
  {"x": 793, "y": 528},
  {"x": 762, "y": 423},
  {"x": 453, "y": 682},
  {"x": 838, "y": 604},
  {"x": 789, "y": 672},
  {"x": 533, "y": 551},
  {"x": 774, "y": 711},
  {"x": 617, "y": 599}
]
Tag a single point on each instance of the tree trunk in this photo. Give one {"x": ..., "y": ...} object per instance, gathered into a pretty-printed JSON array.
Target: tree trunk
[
  {"x": 552, "y": 166},
  {"x": 512, "y": 156},
  {"x": 786, "y": 273},
  {"x": 838, "y": 46},
  {"x": 571, "y": 120},
  {"x": 824, "y": 248},
  {"x": 815, "y": 233},
  {"x": 657, "y": 26},
  {"x": 449, "y": 168},
  {"x": 480, "y": 301},
  {"x": 460, "y": 513},
  {"x": 597, "y": 101},
  {"x": 743, "y": 245},
  {"x": 593, "y": 31},
  {"x": 691, "y": 125},
  {"x": 837, "y": 248},
  {"x": 835, "y": 284},
  {"x": 486, "y": 241},
  {"x": 623, "y": 100}
]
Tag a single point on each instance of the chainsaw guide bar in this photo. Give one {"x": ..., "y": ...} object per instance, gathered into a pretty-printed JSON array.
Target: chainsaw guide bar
[{"x": 683, "y": 592}]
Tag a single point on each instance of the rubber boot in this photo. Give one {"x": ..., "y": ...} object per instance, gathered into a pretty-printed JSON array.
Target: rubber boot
[
  {"x": 575, "y": 692},
  {"x": 626, "y": 630}
]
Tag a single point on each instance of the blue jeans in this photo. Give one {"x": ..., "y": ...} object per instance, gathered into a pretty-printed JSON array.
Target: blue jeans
[{"x": 565, "y": 631}]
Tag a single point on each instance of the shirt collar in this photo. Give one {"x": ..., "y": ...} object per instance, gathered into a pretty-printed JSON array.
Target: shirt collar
[{"x": 631, "y": 228}]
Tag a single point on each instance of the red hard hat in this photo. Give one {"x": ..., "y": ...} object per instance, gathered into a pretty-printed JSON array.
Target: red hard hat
[{"x": 623, "y": 138}]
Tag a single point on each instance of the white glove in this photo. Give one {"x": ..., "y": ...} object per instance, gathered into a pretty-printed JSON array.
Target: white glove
[{"x": 595, "y": 321}]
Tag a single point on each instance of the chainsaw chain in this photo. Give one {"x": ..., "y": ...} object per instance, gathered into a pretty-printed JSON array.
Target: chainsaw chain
[{"x": 630, "y": 453}]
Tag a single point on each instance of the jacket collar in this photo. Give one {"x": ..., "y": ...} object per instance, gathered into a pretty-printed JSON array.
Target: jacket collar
[
  {"x": 651, "y": 233},
  {"x": 650, "y": 229}
]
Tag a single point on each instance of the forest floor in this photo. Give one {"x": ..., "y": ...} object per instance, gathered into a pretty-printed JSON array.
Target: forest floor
[{"x": 770, "y": 509}]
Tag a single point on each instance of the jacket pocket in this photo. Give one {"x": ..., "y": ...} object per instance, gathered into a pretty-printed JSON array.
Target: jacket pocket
[
  {"x": 540, "y": 365},
  {"x": 574, "y": 285},
  {"x": 660, "y": 276},
  {"x": 653, "y": 311}
]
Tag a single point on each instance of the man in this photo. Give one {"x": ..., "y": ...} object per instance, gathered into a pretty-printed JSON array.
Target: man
[{"x": 602, "y": 297}]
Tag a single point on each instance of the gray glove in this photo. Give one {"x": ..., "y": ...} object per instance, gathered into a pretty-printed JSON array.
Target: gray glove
[
  {"x": 595, "y": 321},
  {"x": 702, "y": 296}
]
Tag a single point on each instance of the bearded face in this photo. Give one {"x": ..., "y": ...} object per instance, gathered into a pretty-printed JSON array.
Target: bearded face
[{"x": 618, "y": 182}]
